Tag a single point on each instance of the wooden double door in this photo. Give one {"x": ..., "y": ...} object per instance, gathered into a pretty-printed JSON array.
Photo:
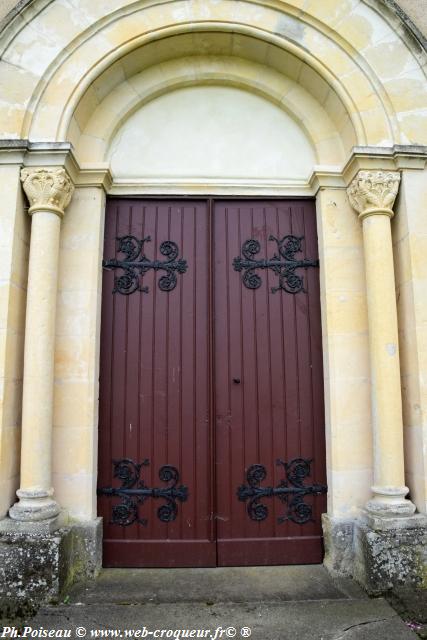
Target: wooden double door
[{"x": 211, "y": 429}]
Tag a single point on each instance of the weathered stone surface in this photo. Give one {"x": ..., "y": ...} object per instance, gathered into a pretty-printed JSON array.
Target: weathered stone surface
[
  {"x": 339, "y": 549},
  {"x": 32, "y": 570},
  {"x": 85, "y": 559},
  {"x": 285, "y": 603},
  {"x": 38, "y": 568},
  {"x": 390, "y": 558}
]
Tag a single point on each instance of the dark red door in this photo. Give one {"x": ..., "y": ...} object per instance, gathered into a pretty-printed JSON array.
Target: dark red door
[
  {"x": 268, "y": 384},
  {"x": 155, "y": 387},
  {"x": 210, "y": 373}
]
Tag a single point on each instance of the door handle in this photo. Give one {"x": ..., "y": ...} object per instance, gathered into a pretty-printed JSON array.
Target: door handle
[{"x": 236, "y": 380}]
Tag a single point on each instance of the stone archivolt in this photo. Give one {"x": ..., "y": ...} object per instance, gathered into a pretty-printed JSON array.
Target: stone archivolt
[
  {"x": 374, "y": 192},
  {"x": 47, "y": 189}
]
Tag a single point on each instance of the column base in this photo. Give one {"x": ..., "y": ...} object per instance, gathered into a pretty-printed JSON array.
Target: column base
[
  {"x": 34, "y": 505},
  {"x": 34, "y": 527},
  {"x": 390, "y": 552},
  {"x": 390, "y": 502}
]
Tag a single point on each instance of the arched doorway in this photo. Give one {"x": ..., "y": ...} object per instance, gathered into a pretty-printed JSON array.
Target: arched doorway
[{"x": 355, "y": 108}]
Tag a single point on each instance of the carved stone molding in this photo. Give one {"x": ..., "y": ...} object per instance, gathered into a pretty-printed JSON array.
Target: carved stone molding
[
  {"x": 47, "y": 189},
  {"x": 374, "y": 192}
]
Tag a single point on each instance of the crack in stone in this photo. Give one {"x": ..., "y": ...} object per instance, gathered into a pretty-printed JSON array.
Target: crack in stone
[{"x": 361, "y": 624}]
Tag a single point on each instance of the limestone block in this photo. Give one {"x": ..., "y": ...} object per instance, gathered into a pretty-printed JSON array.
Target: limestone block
[
  {"x": 25, "y": 41},
  {"x": 73, "y": 133},
  {"x": 361, "y": 26},
  {"x": 96, "y": 9},
  {"x": 76, "y": 307},
  {"x": 330, "y": 11},
  {"x": 350, "y": 489},
  {"x": 75, "y": 404},
  {"x": 351, "y": 449},
  {"x": 414, "y": 192},
  {"x": 72, "y": 357},
  {"x": 420, "y": 303},
  {"x": 412, "y": 402},
  {"x": 204, "y": 44},
  {"x": 418, "y": 252},
  {"x": 38, "y": 568},
  {"x": 112, "y": 77},
  {"x": 330, "y": 150},
  {"x": 413, "y": 126},
  {"x": 16, "y": 308},
  {"x": 378, "y": 130},
  {"x": 349, "y": 355},
  {"x": 407, "y": 92},
  {"x": 344, "y": 269},
  {"x": 389, "y": 57},
  {"x": 78, "y": 268},
  {"x": 402, "y": 261},
  {"x": 86, "y": 107},
  {"x": 8, "y": 488},
  {"x": 12, "y": 405},
  {"x": 337, "y": 224},
  {"x": 284, "y": 62},
  {"x": 20, "y": 83},
  {"x": 58, "y": 25},
  {"x": 77, "y": 494},
  {"x": 33, "y": 571},
  {"x": 90, "y": 149},
  {"x": 348, "y": 134},
  {"x": 338, "y": 537},
  {"x": 415, "y": 462},
  {"x": 73, "y": 450},
  {"x": 346, "y": 312},
  {"x": 390, "y": 557}
]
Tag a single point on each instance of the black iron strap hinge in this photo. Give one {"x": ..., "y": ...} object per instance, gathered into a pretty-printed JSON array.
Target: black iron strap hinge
[
  {"x": 291, "y": 491},
  {"x": 136, "y": 264},
  {"x": 283, "y": 264},
  {"x": 134, "y": 493}
]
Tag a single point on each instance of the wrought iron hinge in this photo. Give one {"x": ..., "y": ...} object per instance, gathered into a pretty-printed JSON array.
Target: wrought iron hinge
[
  {"x": 282, "y": 263},
  {"x": 135, "y": 265},
  {"x": 134, "y": 493},
  {"x": 291, "y": 491}
]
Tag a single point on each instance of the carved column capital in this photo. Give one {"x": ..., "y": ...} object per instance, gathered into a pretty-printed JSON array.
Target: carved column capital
[
  {"x": 47, "y": 189},
  {"x": 374, "y": 192}
]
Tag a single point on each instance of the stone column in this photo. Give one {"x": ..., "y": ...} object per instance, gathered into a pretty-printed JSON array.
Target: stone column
[
  {"x": 372, "y": 195},
  {"x": 49, "y": 192}
]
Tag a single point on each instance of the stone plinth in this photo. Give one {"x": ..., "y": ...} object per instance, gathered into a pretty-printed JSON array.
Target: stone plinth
[
  {"x": 39, "y": 566},
  {"x": 390, "y": 552}
]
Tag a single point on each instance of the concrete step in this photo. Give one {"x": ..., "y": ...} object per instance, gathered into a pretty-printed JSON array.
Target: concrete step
[
  {"x": 230, "y": 584},
  {"x": 347, "y": 619},
  {"x": 273, "y": 603}
]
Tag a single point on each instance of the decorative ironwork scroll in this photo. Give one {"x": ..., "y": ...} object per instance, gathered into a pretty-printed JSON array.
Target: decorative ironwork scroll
[
  {"x": 282, "y": 263},
  {"x": 291, "y": 491},
  {"x": 134, "y": 493},
  {"x": 136, "y": 264}
]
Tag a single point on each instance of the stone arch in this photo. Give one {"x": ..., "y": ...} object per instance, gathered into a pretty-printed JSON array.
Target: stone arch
[
  {"x": 383, "y": 96},
  {"x": 100, "y": 124}
]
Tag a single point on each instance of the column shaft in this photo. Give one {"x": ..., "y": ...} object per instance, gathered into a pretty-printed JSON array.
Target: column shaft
[
  {"x": 37, "y": 407},
  {"x": 49, "y": 192},
  {"x": 384, "y": 352},
  {"x": 372, "y": 194}
]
